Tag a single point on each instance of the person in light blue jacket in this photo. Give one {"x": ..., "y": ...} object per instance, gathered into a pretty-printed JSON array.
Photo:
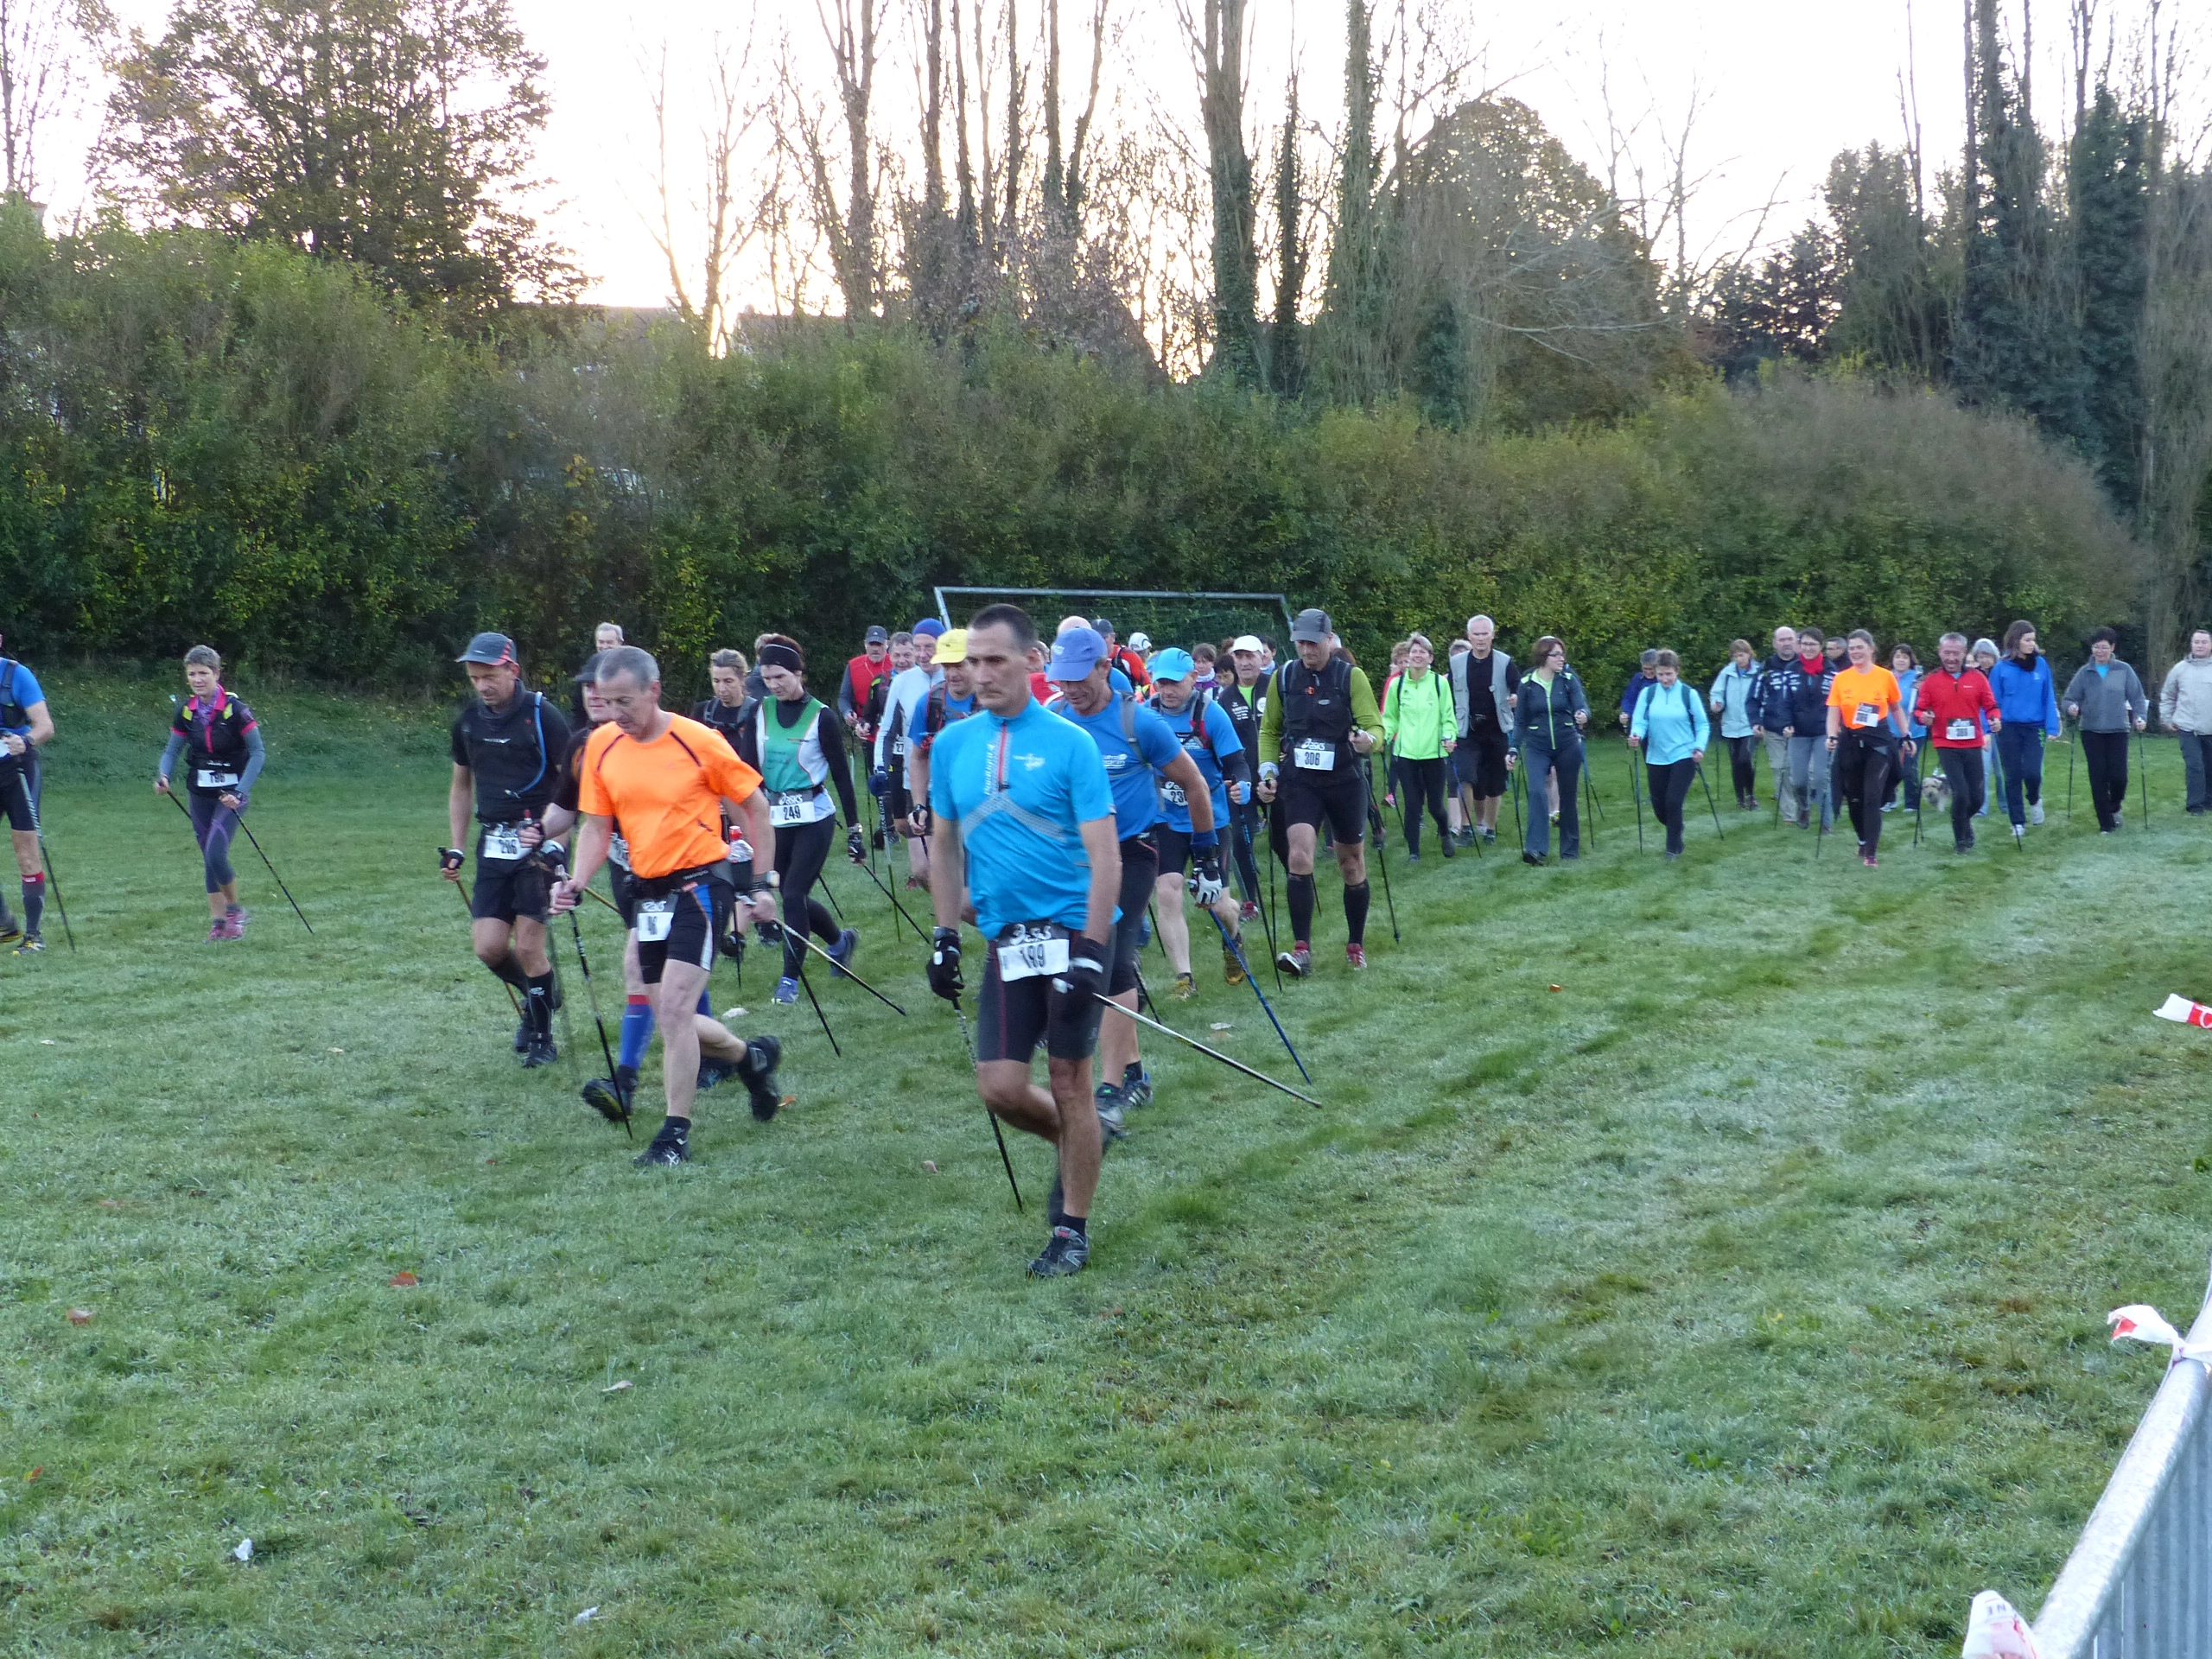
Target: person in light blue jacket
[
  {"x": 1734, "y": 698},
  {"x": 1670, "y": 727},
  {"x": 1904, "y": 781}
]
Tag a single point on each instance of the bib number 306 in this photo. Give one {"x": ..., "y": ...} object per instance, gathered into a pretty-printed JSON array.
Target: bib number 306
[
  {"x": 655, "y": 916},
  {"x": 1024, "y": 953},
  {"x": 1312, "y": 756}
]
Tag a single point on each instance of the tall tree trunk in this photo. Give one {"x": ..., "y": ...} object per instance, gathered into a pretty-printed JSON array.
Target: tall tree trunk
[
  {"x": 1055, "y": 183},
  {"x": 1286, "y": 360},
  {"x": 1222, "y": 105}
]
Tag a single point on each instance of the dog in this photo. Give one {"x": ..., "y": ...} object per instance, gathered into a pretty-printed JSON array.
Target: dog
[{"x": 1935, "y": 793}]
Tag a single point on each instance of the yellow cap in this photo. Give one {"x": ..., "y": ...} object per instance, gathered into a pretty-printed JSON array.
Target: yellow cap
[{"x": 952, "y": 646}]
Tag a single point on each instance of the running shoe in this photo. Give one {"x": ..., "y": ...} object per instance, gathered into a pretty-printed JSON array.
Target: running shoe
[
  {"x": 762, "y": 1056},
  {"x": 786, "y": 993},
  {"x": 712, "y": 1072},
  {"x": 915, "y": 883},
  {"x": 30, "y": 945},
  {"x": 1868, "y": 860},
  {"x": 1451, "y": 846},
  {"x": 1490, "y": 835},
  {"x": 1245, "y": 911},
  {"x": 841, "y": 954},
  {"x": 541, "y": 1052},
  {"x": 1144, "y": 932},
  {"x": 1065, "y": 1252},
  {"x": 2035, "y": 812},
  {"x": 1112, "y": 1125},
  {"x": 11, "y": 930},
  {"x": 2019, "y": 832},
  {"x": 1136, "y": 1084},
  {"x": 1412, "y": 857},
  {"x": 1356, "y": 956},
  {"x": 1297, "y": 960},
  {"x": 1528, "y": 857},
  {"x": 1184, "y": 990},
  {"x": 218, "y": 930},
  {"x": 1107, "y": 1098},
  {"x": 237, "y": 916},
  {"x": 1232, "y": 969},
  {"x": 606, "y": 1096},
  {"x": 671, "y": 1147}
]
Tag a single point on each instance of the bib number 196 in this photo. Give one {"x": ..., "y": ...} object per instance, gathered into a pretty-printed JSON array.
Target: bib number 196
[{"x": 655, "y": 916}]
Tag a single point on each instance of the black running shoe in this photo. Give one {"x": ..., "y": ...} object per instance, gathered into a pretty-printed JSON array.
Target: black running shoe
[
  {"x": 541, "y": 1052},
  {"x": 671, "y": 1147},
  {"x": 713, "y": 1071},
  {"x": 1065, "y": 1252},
  {"x": 1297, "y": 961},
  {"x": 758, "y": 1068},
  {"x": 601, "y": 1095}
]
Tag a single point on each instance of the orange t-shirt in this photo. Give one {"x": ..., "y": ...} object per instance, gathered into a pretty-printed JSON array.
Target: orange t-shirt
[
  {"x": 1865, "y": 696},
  {"x": 666, "y": 794}
]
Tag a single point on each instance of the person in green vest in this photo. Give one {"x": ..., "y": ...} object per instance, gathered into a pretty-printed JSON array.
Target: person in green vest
[
  {"x": 801, "y": 758},
  {"x": 1421, "y": 727}
]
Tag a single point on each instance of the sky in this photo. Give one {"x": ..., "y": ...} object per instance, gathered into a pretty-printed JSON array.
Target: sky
[{"x": 1778, "y": 90}]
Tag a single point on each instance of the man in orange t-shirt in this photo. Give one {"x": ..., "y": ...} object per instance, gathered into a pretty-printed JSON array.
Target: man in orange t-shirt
[
  {"x": 1861, "y": 699},
  {"x": 665, "y": 780}
]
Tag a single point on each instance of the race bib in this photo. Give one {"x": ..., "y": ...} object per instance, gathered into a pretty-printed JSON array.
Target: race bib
[
  {"x": 655, "y": 916},
  {"x": 788, "y": 811},
  {"x": 1867, "y": 716},
  {"x": 212, "y": 780},
  {"x": 1173, "y": 794},
  {"x": 898, "y": 746},
  {"x": 1027, "y": 952},
  {"x": 1959, "y": 731},
  {"x": 502, "y": 841},
  {"x": 1312, "y": 756}
]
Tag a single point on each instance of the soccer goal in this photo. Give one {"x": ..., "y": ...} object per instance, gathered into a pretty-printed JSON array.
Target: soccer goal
[{"x": 1168, "y": 619}]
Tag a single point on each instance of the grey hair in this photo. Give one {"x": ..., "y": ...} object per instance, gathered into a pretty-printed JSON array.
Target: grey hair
[
  {"x": 1949, "y": 637},
  {"x": 628, "y": 660},
  {"x": 1479, "y": 617},
  {"x": 203, "y": 657},
  {"x": 1989, "y": 646}
]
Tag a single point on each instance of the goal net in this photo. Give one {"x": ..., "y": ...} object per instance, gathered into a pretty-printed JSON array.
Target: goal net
[{"x": 1167, "y": 619}]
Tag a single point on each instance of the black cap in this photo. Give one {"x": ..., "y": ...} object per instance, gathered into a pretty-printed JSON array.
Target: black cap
[
  {"x": 1102, "y": 627},
  {"x": 877, "y": 635},
  {"x": 490, "y": 649},
  {"x": 1312, "y": 625}
]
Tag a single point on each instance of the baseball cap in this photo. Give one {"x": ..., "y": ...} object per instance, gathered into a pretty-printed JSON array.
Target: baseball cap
[
  {"x": 877, "y": 635},
  {"x": 1247, "y": 642},
  {"x": 489, "y": 648},
  {"x": 1140, "y": 641},
  {"x": 930, "y": 625},
  {"x": 1075, "y": 653},
  {"x": 1172, "y": 664},
  {"x": 1102, "y": 626},
  {"x": 1312, "y": 626},
  {"x": 588, "y": 674},
  {"x": 952, "y": 646}
]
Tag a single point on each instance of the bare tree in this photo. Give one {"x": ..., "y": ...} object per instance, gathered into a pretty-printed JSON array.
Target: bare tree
[
  {"x": 848, "y": 227},
  {"x": 39, "y": 76},
  {"x": 728, "y": 224},
  {"x": 1218, "y": 35}
]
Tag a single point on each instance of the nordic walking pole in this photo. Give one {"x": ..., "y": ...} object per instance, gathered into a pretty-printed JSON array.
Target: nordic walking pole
[
  {"x": 1637, "y": 796},
  {"x": 2069, "y": 775},
  {"x": 1193, "y": 1042},
  {"x": 1153, "y": 910},
  {"x": 1590, "y": 795},
  {"x": 997, "y": 1133},
  {"x": 45, "y": 858},
  {"x": 1520, "y": 833},
  {"x": 1236, "y": 947},
  {"x": 1712, "y": 805},
  {"x": 807, "y": 941},
  {"x": 1273, "y": 953},
  {"x": 238, "y": 818},
  {"x": 606, "y": 1048},
  {"x": 897, "y": 907},
  {"x": 2143, "y": 765},
  {"x": 1382, "y": 859},
  {"x": 818, "y": 1014}
]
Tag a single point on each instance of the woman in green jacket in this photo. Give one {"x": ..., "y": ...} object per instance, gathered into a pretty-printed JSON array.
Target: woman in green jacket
[{"x": 1421, "y": 727}]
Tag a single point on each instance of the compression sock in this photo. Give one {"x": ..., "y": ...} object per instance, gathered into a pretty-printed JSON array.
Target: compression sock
[
  {"x": 538, "y": 1003},
  {"x": 33, "y": 901},
  {"x": 637, "y": 1031},
  {"x": 1356, "y": 914},
  {"x": 509, "y": 970},
  {"x": 706, "y": 1005},
  {"x": 1301, "y": 906}
]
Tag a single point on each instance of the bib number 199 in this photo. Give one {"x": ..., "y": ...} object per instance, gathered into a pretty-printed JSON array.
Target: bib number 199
[{"x": 1026, "y": 957}]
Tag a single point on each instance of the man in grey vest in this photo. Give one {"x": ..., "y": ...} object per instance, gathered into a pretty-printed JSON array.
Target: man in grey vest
[{"x": 1484, "y": 684}]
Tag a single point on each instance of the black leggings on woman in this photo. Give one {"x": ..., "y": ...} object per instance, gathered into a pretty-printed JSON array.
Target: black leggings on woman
[
  {"x": 1422, "y": 781},
  {"x": 1742, "y": 767},
  {"x": 1863, "y": 759},
  {"x": 801, "y": 851},
  {"x": 1670, "y": 789}
]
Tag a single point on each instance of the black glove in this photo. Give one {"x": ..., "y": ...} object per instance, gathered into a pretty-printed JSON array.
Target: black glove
[
  {"x": 857, "y": 844},
  {"x": 1206, "y": 884},
  {"x": 554, "y": 856},
  {"x": 1086, "y": 975},
  {"x": 451, "y": 858},
  {"x": 944, "y": 964}
]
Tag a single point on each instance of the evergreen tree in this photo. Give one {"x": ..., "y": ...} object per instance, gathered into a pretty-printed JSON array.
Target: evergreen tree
[{"x": 2109, "y": 176}]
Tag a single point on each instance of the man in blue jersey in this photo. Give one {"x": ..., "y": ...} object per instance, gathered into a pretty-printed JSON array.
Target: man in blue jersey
[
  {"x": 1209, "y": 737},
  {"x": 1024, "y": 796},
  {"x": 25, "y": 725},
  {"x": 1136, "y": 745}
]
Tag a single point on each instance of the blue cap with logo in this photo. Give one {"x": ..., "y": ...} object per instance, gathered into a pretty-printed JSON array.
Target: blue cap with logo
[
  {"x": 1075, "y": 653},
  {"x": 1173, "y": 664}
]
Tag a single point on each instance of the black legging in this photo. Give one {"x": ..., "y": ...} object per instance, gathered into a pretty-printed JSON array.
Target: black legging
[
  {"x": 2105, "y": 756},
  {"x": 801, "y": 851},
  {"x": 1861, "y": 771},
  {"x": 1969, "y": 790},
  {"x": 1743, "y": 765},
  {"x": 1420, "y": 781},
  {"x": 1670, "y": 786}
]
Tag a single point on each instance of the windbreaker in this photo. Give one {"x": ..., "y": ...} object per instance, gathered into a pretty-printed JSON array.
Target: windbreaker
[
  {"x": 1670, "y": 719},
  {"x": 1731, "y": 694},
  {"x": 2111, "y": 702},
  {"x": 2185, "y": 700},
  {"x": 1942, "y": 697},
  {"x": 2026, "y": 696},
  {"x": 1418, "y": 719},
  {"x": 1543, "y": 716}
]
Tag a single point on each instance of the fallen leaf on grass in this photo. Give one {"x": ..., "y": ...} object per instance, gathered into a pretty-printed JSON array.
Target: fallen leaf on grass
[
  {"x": 36, "y": 1472},
  {"x": 404, "y": 1281},
  {"x": 929, "y": 1164},
  {"x": 80, "y": 1316},
  {"x": 1556, "y": 987},
  {"x": 617, "y": 1388},
  {"x": 791, "y": 1100}
]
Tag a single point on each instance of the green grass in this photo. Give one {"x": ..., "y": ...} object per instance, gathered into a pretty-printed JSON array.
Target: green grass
[{"x": 1741, "y": 1295}]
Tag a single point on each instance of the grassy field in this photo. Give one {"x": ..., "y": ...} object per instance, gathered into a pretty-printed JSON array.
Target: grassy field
[{"x": 1711, "y": 1255}]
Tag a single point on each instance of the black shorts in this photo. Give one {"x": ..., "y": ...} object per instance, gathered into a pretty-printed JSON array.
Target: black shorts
[
  {"x": 511, "y": 889},
  {"x": 1140, "y": 869},
  {"x": 700, "y": 918},
  {"x": 1173, "y": 845},
  {"x": 1338, "y": 798},
  {"x": 16, "y": 799},
  {"x": 1480, "y": 762},
  {"x": 1012, "y": 1020}
]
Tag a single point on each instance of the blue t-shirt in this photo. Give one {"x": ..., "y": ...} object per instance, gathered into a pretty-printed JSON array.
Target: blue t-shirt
[
  {"x": 1137, "y": 795},
  {"x": 1221, "y": 733},
  {"x": 23, "y": 688},
  {"x": 917, "y": 729},
  {"x": 1019, "y": 789}
]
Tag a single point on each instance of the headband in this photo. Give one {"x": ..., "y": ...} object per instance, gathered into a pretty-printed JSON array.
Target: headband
[{"x": 782, "y": 657}]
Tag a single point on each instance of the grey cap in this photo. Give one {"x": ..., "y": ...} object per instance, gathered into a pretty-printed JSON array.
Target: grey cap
[
  {"x": 876, "y": 636},
  {"x": 1312, "y": 625},
  {"x": 490, "y": 649}
]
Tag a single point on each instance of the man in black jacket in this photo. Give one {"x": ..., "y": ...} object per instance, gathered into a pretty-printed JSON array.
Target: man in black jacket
[{"x": 1770, "y": 691}]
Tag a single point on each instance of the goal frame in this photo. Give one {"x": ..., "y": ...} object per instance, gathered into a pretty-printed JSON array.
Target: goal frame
[{"x": 1281, "y": 603}]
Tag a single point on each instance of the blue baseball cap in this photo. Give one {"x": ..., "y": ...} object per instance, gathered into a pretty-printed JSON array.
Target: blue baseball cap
[
  {"x": 930, "y": 625},
  {"x": 1075, "y": 653},
  {"x": 1173, "y": 664}
]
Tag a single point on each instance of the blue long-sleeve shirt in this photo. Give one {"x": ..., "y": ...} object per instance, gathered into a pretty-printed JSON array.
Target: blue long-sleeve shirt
[
  {"x": 1900, "y": 720},
  {"x": 1670, "y": 719},
  {"x": 2026, "y": 696}
]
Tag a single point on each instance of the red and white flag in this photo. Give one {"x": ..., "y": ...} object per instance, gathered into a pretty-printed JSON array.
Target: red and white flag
[
  {"x": 2140, "y": 1322},
  {"x": 1996, "y": 1630},
  {"x": 2182, "y": 1012}
]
